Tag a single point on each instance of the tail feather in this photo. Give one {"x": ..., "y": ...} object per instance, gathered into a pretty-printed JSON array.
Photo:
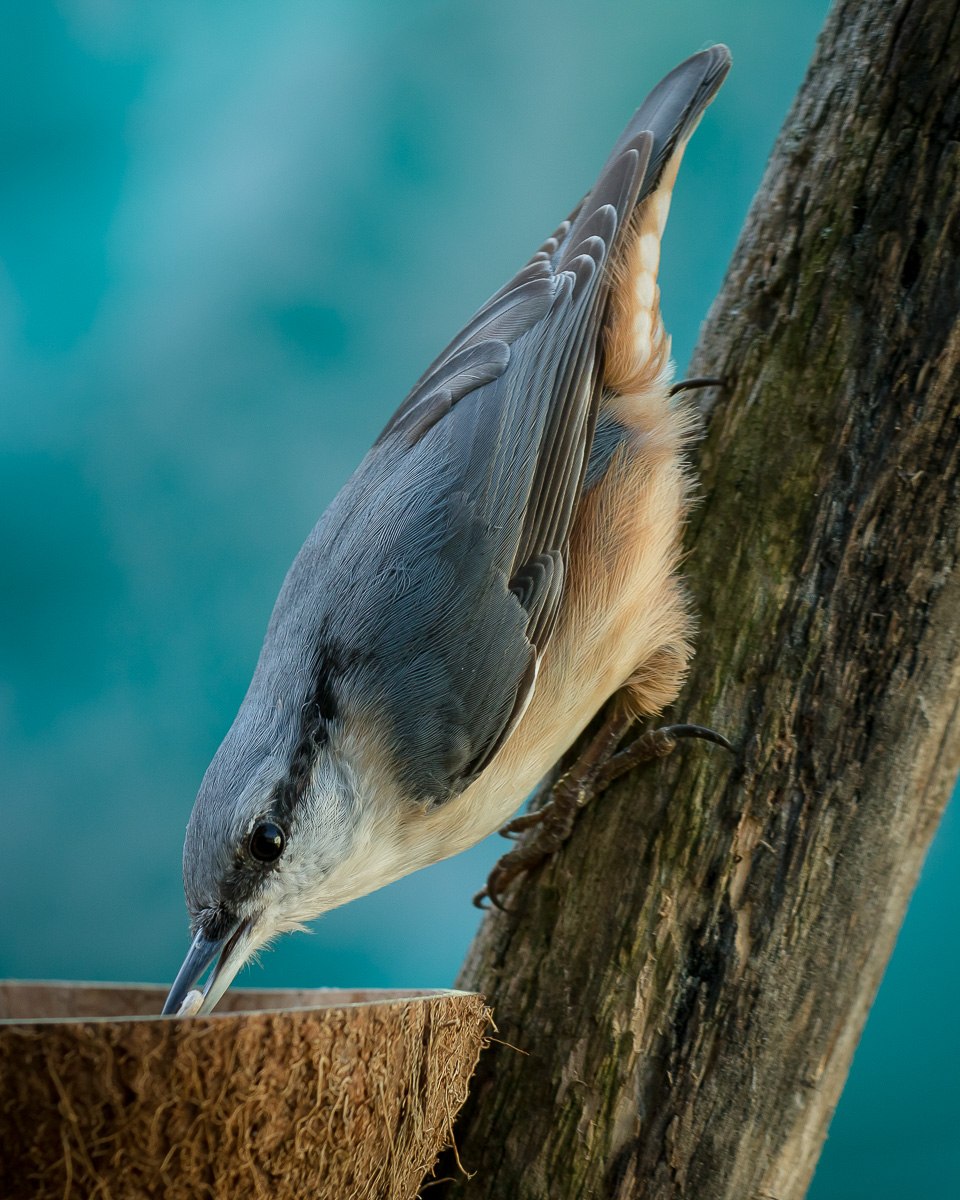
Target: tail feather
[
  {"x": 636, "y": 346},
  {"x": 674, "y": 107}
]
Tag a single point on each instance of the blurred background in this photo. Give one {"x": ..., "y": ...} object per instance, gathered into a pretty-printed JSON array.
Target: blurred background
[{"x": 231, "y": 236}]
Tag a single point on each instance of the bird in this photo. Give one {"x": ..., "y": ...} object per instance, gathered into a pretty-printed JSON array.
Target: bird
[{"x": 502, "y": 565}]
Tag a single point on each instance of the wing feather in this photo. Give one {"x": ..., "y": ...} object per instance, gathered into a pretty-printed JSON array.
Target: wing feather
[{"x": 461, "y": 513}]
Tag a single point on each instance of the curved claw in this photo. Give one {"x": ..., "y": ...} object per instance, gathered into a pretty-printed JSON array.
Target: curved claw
[
  {"x": 493, "y": 896},
  {"x": 699, "y": 381},
  {"x": 519, "y": 825},
  {"x": 697, "y": 731},
  {"x": 499, "y": 879}
]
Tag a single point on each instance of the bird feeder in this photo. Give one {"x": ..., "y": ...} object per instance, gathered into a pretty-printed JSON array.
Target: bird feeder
[{"x": 279, "y": 1094}]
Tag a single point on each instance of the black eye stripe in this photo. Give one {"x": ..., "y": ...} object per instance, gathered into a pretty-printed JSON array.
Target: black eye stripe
[{"x": 266, "y": 842}]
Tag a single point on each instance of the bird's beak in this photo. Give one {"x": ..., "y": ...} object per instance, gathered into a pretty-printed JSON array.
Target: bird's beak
[{"x": 234, "y": 948}]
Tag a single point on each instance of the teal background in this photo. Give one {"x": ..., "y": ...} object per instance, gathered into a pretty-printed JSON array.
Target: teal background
[{"x": 231, "y": 236}]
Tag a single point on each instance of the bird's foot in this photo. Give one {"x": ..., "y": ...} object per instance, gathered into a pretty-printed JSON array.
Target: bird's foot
[
  {"x": 655, "y": 743},
  {"x": 552, "y": 825},
  {"x": 591, "y": 775}
]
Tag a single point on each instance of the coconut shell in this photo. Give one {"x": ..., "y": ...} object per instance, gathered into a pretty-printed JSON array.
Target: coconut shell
[{"x": 279, "y": 1094}]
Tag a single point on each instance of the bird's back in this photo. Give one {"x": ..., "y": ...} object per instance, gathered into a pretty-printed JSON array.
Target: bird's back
[{"x": 429, "y": 594}]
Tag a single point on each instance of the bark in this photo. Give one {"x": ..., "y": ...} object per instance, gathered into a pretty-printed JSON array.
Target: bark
[{"x": 686, "y": 983}]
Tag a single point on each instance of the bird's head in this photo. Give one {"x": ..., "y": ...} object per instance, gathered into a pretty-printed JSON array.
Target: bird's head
[{"x": 274, "y": 825}]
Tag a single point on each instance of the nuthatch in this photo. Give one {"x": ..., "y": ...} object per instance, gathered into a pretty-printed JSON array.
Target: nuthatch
[{"x": 503, "y": 561}]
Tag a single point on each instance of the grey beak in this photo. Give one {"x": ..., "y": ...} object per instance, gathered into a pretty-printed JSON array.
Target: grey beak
[{"x": 200, "y": 955}]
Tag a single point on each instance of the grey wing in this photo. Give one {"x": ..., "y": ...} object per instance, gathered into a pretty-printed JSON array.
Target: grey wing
[
  {"x": 457, "y": 524},
  {"x": 452, "y": 537}
]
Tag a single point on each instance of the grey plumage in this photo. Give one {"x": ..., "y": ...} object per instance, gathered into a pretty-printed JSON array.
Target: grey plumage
[
  {"x": 420, "y": 603},
  {"x": 442, "y": 559}
]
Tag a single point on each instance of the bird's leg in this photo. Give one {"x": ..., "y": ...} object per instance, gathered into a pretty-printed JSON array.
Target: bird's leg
[
  {"x": 573, "y": 789},
  {"x": 596, "y": 768},
  {"x": 554, "y": 821},
  {"x": 576, "y": 787}
]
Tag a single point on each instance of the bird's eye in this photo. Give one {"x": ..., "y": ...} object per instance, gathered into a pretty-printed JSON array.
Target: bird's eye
[{"x": 267, "y": 842}]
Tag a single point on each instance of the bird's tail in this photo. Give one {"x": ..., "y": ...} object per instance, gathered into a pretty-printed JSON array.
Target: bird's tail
[{"x": 636, "y": 347}]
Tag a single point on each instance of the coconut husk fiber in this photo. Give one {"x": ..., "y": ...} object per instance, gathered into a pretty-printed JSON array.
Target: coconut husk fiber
[{"x": 280, "y": 1094}]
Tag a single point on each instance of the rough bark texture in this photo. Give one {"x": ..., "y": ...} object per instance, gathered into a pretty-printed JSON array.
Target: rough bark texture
[{"x": 687, "y": 982}]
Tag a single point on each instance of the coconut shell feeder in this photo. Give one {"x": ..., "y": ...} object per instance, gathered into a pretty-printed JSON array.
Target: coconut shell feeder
[{"x": 279, "y": 1094}]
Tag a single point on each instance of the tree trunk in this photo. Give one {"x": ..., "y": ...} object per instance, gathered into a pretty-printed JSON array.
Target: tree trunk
[{"x": 682, "y": 989}]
